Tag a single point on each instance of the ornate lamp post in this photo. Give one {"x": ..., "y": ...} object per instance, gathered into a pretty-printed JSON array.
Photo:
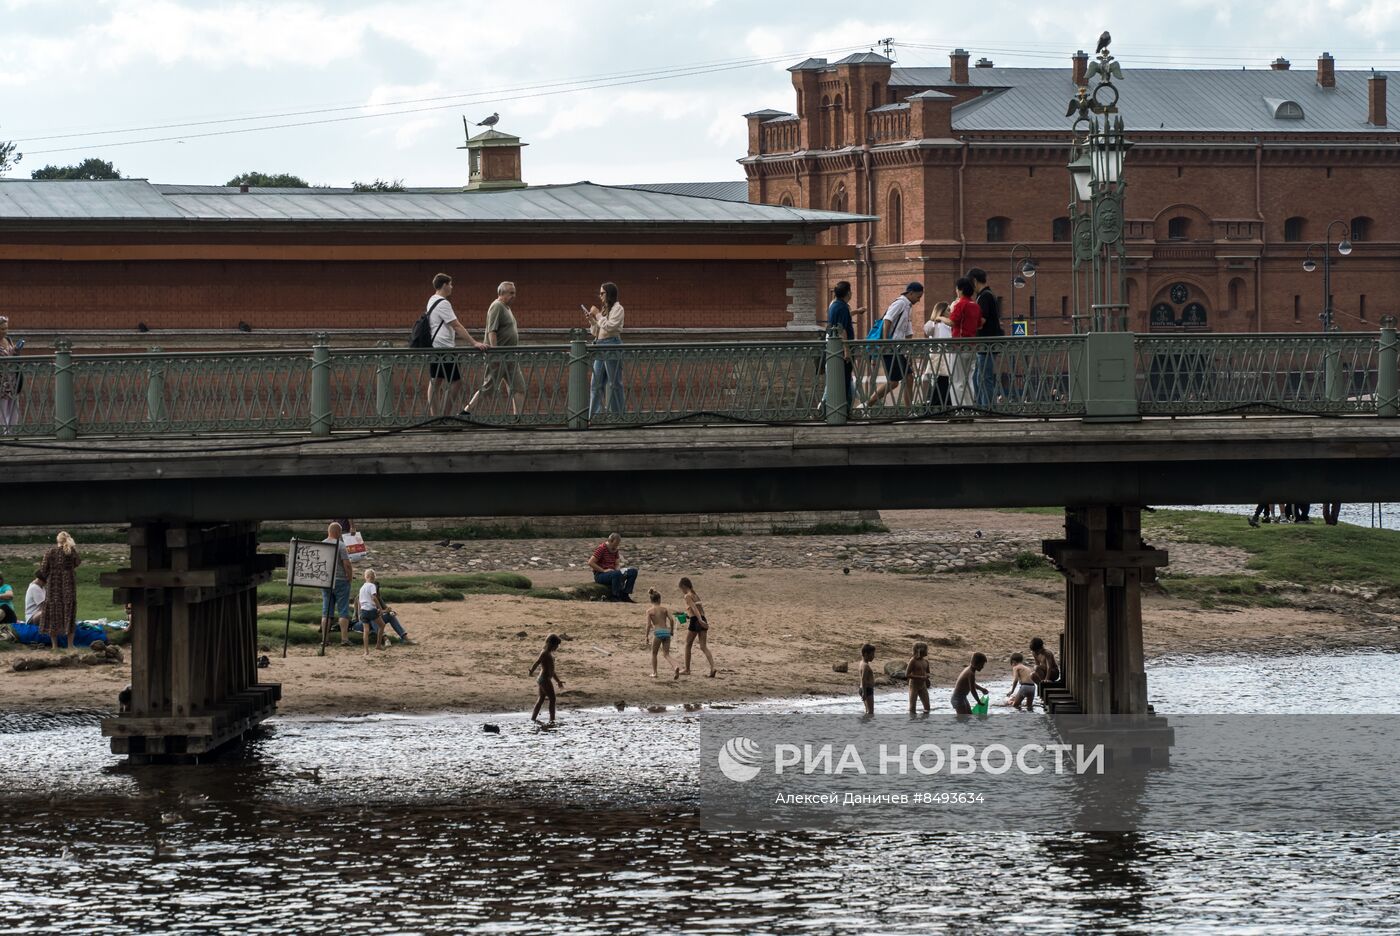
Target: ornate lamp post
[
  {"x": 1019, "y": 276},
  {"x": 1096, "y": 199},
  {"x": 1309, "y": 265}
]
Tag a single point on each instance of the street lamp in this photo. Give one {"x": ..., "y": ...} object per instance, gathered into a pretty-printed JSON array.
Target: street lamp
[
  {"x": 1020, "y": 273},
  {"x": 1309, "y": 265}
]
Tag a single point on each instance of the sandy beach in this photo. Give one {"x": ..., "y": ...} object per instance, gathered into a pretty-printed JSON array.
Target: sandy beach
[{"x": 776, "y": 632}]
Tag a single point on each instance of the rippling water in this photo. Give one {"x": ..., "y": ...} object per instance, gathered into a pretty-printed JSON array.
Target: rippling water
[{"x": 431, "y": 825}]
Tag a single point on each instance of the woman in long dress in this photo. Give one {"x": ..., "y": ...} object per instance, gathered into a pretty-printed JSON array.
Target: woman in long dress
[{"x": 59, "y": 567}]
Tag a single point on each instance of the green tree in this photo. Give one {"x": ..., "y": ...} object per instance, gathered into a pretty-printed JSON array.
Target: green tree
[
  {"x": 91, "y": 168},
  {"x": 264, "y": 180},
  {"x": 8, "y": 157},
  {"x": 378, "y": 185}
]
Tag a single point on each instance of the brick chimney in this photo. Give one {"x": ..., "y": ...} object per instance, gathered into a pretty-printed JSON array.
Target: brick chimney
[
  {"x": 1279, "y": 64},
  {"x": 983, "y": 63},
  {"x": 931, "y": 115},
  {"x": 1081, "y": 65},
  {"x": 957, "y": 70},
  {"x": 1326, "y": 71},
  {"x": 1375, "y": 100}
]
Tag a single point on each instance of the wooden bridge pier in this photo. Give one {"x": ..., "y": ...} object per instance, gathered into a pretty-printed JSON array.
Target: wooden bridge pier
[
  {"x": 1105, "y": 563},
  {"x": 194, "y": 679}
]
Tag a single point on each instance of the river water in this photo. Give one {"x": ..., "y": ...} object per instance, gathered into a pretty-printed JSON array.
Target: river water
[{"x": 388, "y": 824}]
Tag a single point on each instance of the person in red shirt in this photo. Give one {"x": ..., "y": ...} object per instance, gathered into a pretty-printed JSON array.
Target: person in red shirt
[
  {"x": 605, "y": 563},
  {"x": 967, "y": 319}
]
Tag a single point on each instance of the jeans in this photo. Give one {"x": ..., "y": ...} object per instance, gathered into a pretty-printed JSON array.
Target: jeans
[
  {"x": 607, "y": 378},
  {"x": 372, "y": 616},
  {"x": 985, "y": 379},
  {"x": 619, "y": 581}
]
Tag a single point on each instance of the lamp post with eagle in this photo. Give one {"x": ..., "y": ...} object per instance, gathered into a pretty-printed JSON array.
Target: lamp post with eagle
[{"x": 1096, "y": 198}]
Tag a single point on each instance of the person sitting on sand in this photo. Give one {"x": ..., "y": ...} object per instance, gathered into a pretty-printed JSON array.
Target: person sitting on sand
[
  {"x": 374, "y": 614},
  {"x": 547, "y": 678},
  {"x": 658, "y": 633},
  {"x": 867, "y": 678},
  {"x": 698, "y": 627},
  {"x": 967, "y": 684},
  {"x": 1022, "y": 684},
  {"x": 605, "y": 563},
  {"x": 35, "y": 597},
  {"x": 916, "y": 671},
  {"x": 7, "y": 603}
]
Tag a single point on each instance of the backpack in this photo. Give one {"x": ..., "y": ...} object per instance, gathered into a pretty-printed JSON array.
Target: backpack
[
  {"x": 423, "y": 333},
  {"x": 876, "y": 330}
]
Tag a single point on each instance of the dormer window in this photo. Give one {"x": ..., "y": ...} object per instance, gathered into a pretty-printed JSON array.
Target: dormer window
[{"x": 1281, "y": 109}]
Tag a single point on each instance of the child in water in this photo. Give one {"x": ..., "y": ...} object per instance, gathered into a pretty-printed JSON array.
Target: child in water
[
  {"x": 967, "y": 684},
  {"x": 917, "y": 672},
  {"x": 1022, "y": 684},
  {"x": 547, "y": 677},
  {"x": 867, "y": 678},
  {"x": 658, "y": 633}
]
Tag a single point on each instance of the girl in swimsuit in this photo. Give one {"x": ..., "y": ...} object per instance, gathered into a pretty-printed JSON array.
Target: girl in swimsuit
[
  {"x": 917, "y": 672},
  {"x": 699, "y": 627},
  {"x": 658, "y": 633},
  {"x": 545, "y": 664}
]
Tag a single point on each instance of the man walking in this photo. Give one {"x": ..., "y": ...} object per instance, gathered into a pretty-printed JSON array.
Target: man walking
[
  {"x": 501, "y": 332},
  {"x": 335, "y": 601},
  {"x": 604, "y": 563},
  {"x": 985, "y": 376},
  {"x": 445, "y": 329},
  {"x": 897, "y": 325}
]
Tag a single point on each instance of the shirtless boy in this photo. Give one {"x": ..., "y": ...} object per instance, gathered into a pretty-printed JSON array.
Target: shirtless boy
[
  {"x": 867, "y": 678},
  {"x": 658, "y": 633},
  {"x": 917, "y": 672},
  {"x": 967, "y": 684},
  {"x": 547, "y": 678},
  {"x": 1022, "y": 684},
  {"x": 1046, "y": 670}
]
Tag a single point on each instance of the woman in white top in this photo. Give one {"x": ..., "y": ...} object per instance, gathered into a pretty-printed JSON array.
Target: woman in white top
[
  {"x": 606, "y": 325},
  {"x": 940, "y": 362}
]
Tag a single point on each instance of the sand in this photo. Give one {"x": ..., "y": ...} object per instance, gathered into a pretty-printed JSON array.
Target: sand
[{"x": 774, "y": 634}]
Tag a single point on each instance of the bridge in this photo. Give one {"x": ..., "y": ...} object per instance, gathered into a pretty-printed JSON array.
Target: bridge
[{"x": 192, "y": 450}]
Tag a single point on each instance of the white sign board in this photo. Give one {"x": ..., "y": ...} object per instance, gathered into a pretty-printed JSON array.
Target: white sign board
[{"x": 311, "y": 563}]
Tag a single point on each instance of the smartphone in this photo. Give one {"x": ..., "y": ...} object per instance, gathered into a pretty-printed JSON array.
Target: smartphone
[
  {"x": 19, "y": 343},
  {"x": 583, "y": 307}
]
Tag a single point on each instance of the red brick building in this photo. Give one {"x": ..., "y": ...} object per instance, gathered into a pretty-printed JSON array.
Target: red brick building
[
  {"x": 131, "y": 264},
  {"x": 1231, "y": 176}
]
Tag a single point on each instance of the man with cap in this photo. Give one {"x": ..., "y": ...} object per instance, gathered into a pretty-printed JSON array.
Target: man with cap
[{"x": 897, "y": 325}]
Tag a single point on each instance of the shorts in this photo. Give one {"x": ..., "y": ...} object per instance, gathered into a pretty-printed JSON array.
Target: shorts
[
  {"x": 960, "y": 704},
  {"x": 864, "y": 693},
  {"x": 444, "y": 370},
  {"x": 369, "y": 615},
  {"x": 503, "y": 373},
  {"x": 698, "y": 625},
  {"x": 336, "y": 599},
  {"x": 896, "y": 366},
  {"x": 1025, "y": 692},
  {"x": 663, "y": 635}
]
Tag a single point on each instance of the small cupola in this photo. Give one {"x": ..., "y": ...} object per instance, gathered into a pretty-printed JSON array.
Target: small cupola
[{"x": 493, "y": 160}]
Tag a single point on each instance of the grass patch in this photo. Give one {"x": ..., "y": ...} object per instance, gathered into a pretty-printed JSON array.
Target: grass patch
[
  {"x": 832, "y": 529},
  {"x": 1313, "y": 555},
  {"x": 94, "y": 600},
  {"x": 1022, "y": 565},
  {"x": 411, "y": 589},
  {"x": 270, "y": 631},
  {"x": 1041, "y": 511},
  {"x": 1222, "y": 591}
]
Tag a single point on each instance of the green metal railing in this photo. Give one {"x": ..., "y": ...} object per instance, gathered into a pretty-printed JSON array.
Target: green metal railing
[{"x": 1099, "y": 376}]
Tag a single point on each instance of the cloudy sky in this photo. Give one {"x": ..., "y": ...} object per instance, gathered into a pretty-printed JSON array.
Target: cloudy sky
[{"x": 606, "y": 90}]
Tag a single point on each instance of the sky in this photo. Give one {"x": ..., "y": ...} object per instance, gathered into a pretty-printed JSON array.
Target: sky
[{"x": 602, "y": 90}]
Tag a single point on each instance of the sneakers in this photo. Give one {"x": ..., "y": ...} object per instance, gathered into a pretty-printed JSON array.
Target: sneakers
[{"x": 1254, "y": 521}]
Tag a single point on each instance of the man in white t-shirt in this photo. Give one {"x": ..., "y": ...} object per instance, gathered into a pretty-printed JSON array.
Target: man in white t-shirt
[
  {"x": 34, "y": 597},
  {"x": 445, "y": 329},
  {"x": 897, "y": 325}
]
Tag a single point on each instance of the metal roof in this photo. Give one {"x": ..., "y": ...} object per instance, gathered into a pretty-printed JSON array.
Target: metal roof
[
  {"x": 1195, "y": 100},
  {"x": 725, "y": 191},
  {"x": 579, "y": 203}
]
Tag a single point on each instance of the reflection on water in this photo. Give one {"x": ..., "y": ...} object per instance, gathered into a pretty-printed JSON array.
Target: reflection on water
[{"x": 431, "y": 825}]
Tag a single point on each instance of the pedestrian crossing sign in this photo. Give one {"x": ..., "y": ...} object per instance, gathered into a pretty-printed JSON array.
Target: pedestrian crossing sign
[{"x": 1018, "y": 328}]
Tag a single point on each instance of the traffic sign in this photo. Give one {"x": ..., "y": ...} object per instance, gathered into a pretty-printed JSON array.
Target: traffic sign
[{"x": 1018, "y": 328}]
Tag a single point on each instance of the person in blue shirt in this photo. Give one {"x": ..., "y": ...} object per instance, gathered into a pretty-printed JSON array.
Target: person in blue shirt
[
  {"x": 839, "y": 322},
  {"x": 7, "y": 602}
]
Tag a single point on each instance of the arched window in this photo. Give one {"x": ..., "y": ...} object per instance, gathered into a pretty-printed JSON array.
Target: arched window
[
  {"x": 1059, "y": 229},
  {"x": 1235, "y": 294},
  {"x": 824, "y": 124},
  {"x": 894, "y": 218},
  {"x": 998, "y": 230},
  {"x": 786, "y": 200},
  {"x": 1178, "y": 228},
  {"x": 1360, "y": 229},
  {"x": 1293, "y": 230},
  {"x": 838, "y": 123}
]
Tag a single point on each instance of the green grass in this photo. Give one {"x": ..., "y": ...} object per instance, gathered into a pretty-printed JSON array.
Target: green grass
[
  {"x": 1023, "y": 565},
  {"x": 1217, "y": 591},
  {"x": 94, "y": 601},
  {"x": 413, "y": 589}
]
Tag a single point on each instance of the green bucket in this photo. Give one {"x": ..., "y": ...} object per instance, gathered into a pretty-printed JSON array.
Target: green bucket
[{"x": 981, "y": 707}]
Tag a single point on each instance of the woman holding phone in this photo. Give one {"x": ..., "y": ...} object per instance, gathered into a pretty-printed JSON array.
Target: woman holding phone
[{"x": 605, "y": 322}]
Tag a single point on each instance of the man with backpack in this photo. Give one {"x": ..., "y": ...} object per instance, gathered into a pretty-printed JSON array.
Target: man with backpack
[
  {"x": 985, "y": 377},
  {"x": 438, "y": 328},
  {"x": 897, "y": 326}
]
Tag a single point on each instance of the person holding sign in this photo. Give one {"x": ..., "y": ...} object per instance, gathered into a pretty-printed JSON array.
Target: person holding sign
[{"x": 335, "y": 601}]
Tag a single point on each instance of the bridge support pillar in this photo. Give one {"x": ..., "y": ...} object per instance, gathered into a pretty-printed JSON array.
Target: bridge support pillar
[
  {"x": 1105, "y": 563},
  {"x": 192, "y": 588}
]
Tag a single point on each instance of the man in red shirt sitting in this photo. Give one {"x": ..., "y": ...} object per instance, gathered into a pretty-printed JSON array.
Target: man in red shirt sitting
[
  {"x": 967, "y": 319},
  {"x": 605, "y": 564}
]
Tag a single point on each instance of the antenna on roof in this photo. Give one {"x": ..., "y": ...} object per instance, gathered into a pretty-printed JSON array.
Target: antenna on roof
[{"x": 888, "y": 45}]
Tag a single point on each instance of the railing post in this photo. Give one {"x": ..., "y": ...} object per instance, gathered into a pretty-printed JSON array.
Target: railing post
[
  {"x": 577, "y": 417},
  {"x": 384, "y": 383},
  {"x": 155, "y": 391},
  {"x": 1108, "y": 377},
  {"x": 1332, "y": 367},
  {"x": 836, "y": 399},
  {"x": 321, "y": 386},
  {"x": 1387, "y": 403},
  {"x": 65, "y": 408}
]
